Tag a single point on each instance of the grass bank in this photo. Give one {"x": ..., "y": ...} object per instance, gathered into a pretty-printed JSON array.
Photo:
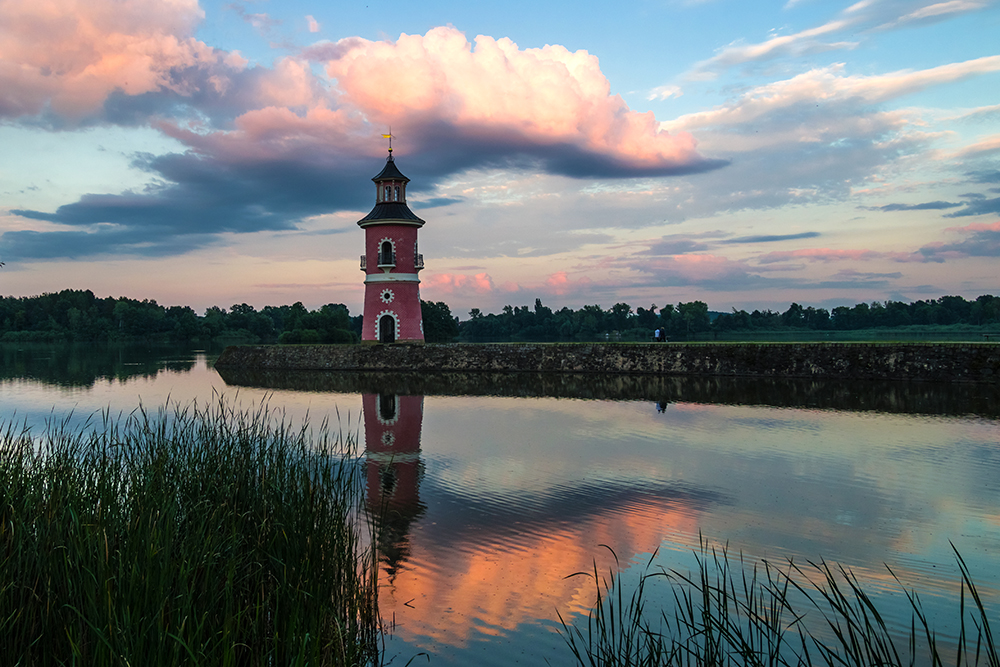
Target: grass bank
[
  {"x": 195, "y": 535},
  {"x": 733, "y": 613}
]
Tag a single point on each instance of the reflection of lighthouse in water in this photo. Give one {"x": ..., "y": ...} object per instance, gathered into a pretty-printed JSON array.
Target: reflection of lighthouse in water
[{"x": 392, "y": 447}]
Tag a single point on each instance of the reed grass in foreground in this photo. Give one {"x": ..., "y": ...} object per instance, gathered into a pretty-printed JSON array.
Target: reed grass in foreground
[
  {"x": 195, "y": 535},
  {"x": 726, "y": 614}
]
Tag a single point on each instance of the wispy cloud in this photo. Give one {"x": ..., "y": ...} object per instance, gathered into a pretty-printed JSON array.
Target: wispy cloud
[
  {"x": 829, "y": 85},
  {"x": 984, "y": 146},
  {"x": 664, "y": 93},
  {"x": 935, "y": 12},
  {"x": 855, "y": 20},
  {"x": 818, "y": 255},
  {"x": 797, "y": 44},
  {"x": 926, "y": 206},
  {"x": 262, "y": 23},
  {"x": 771, "y": 238}
]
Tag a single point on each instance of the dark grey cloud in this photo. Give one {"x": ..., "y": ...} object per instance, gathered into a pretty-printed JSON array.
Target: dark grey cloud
[
  {"x": 984, "y": 242},
  {"x": 985, "y": 176},
  {"x": 927, "y": 206},
  {"x": 679, "y": 244},
  {"x": 977, "y": 207},
  {"x": 435, "y": 202},
  {"x": 735, "y": 276},
  {"x": 770, "y": 238},
  {"x": 676, "y": 247},
  {"x": 26, "y": 244},
  {"x": 440, "y": 149},
  {"x": 217, "y": 94},
  {"x": 198, "y": 198},
  {"x": 212, "y": 189}
]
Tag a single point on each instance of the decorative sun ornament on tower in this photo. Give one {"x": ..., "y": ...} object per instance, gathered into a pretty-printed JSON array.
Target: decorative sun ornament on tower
[{"x": 391, "y": 262}]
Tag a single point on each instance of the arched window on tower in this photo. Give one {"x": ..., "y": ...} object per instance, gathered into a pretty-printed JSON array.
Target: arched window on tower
[
  {"x": 386, "y": 257},
  {"x": 397, "y": 193},
  {"x": 386, "y": 197}
]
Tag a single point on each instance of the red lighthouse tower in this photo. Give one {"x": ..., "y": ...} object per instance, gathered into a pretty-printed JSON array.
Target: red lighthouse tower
[{"x": 391, "y": 263}]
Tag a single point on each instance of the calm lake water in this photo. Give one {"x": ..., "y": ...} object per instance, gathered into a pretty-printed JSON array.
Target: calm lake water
[{"x": 500, "y": 486}]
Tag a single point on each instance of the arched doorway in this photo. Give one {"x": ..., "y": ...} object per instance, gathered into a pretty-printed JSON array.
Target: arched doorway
[{"x": 387, "y": 329}]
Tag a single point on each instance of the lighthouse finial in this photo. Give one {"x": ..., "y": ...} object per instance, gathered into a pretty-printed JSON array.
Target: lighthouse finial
[{"x": 389, "y": 137}]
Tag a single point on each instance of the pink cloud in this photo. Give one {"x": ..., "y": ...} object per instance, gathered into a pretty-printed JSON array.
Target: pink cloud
[
  {"x": 696, "y": 268},
  {"x": 277, "y": 133},
  {"x": 71, "y": 54},
  {"x": 548, "y": 96},
  {"x": 457, "y": 283},
  {"x": 819, "y": 255},
  {"x": 977, "y": 227},
  {"x": 909, "y": 257},
  {"x": 559, "y": 284},
  {"x": 557, "y": 280}
]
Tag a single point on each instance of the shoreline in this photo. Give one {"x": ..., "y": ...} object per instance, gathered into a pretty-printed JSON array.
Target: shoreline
[{"x": 937, "y": 362}]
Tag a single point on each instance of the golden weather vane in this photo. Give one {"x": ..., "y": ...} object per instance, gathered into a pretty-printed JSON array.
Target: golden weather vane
[{"x": 389, "y": 137}]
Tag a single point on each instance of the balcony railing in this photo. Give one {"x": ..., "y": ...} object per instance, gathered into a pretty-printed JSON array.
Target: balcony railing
[{"x": 388, "y": 260}]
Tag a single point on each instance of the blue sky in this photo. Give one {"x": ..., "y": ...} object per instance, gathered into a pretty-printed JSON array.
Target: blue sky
[{"x": 742, "y": 154}]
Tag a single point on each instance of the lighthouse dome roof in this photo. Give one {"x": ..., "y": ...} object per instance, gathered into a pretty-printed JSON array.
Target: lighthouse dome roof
[
  {"x": 390, "y": 172},
  {"x": 391, "y": 211}
]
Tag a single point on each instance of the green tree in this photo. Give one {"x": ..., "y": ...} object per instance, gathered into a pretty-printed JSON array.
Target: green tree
[
  {"x": 439, "y": 325},
  {"x": 694, "y": 316}
]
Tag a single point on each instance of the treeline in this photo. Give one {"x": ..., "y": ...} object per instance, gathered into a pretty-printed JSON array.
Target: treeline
[
  {"x": 78, "y": 315},
  {"x": 946, "y": 311},
  {"x": 694, "y": 320}
]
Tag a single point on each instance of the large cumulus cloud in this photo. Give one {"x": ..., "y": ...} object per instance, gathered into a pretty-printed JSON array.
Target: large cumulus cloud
[
  {"x": 268, "y": 146},
  {"x": 66, "y": 57},
  {"x": 497, "y": 102}
]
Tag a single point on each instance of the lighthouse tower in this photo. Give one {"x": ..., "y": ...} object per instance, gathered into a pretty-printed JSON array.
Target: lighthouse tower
[{"x": 391, "y": 263}]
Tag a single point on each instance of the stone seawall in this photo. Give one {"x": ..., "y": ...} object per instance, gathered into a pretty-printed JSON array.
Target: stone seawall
[{"x": 946, "y": 362}]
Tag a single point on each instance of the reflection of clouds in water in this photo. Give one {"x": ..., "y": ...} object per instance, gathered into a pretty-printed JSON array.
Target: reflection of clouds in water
[
  {"x": 857, "y": 488},
  {"x": 481, "y": 570},
  {"x": 485, "y": 511}
]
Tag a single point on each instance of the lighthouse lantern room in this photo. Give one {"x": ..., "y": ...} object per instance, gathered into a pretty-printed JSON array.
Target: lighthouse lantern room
[{"x": 391, "y": 263}]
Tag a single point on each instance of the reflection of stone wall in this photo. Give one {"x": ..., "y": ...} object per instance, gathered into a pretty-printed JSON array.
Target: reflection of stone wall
[
  {"x": 884, "y": 396},
  {"x": 966, "y": 362}
]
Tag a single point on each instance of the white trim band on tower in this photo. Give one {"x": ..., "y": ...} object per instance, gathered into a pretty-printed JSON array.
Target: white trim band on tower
[{"x": 391, "y": 278}]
